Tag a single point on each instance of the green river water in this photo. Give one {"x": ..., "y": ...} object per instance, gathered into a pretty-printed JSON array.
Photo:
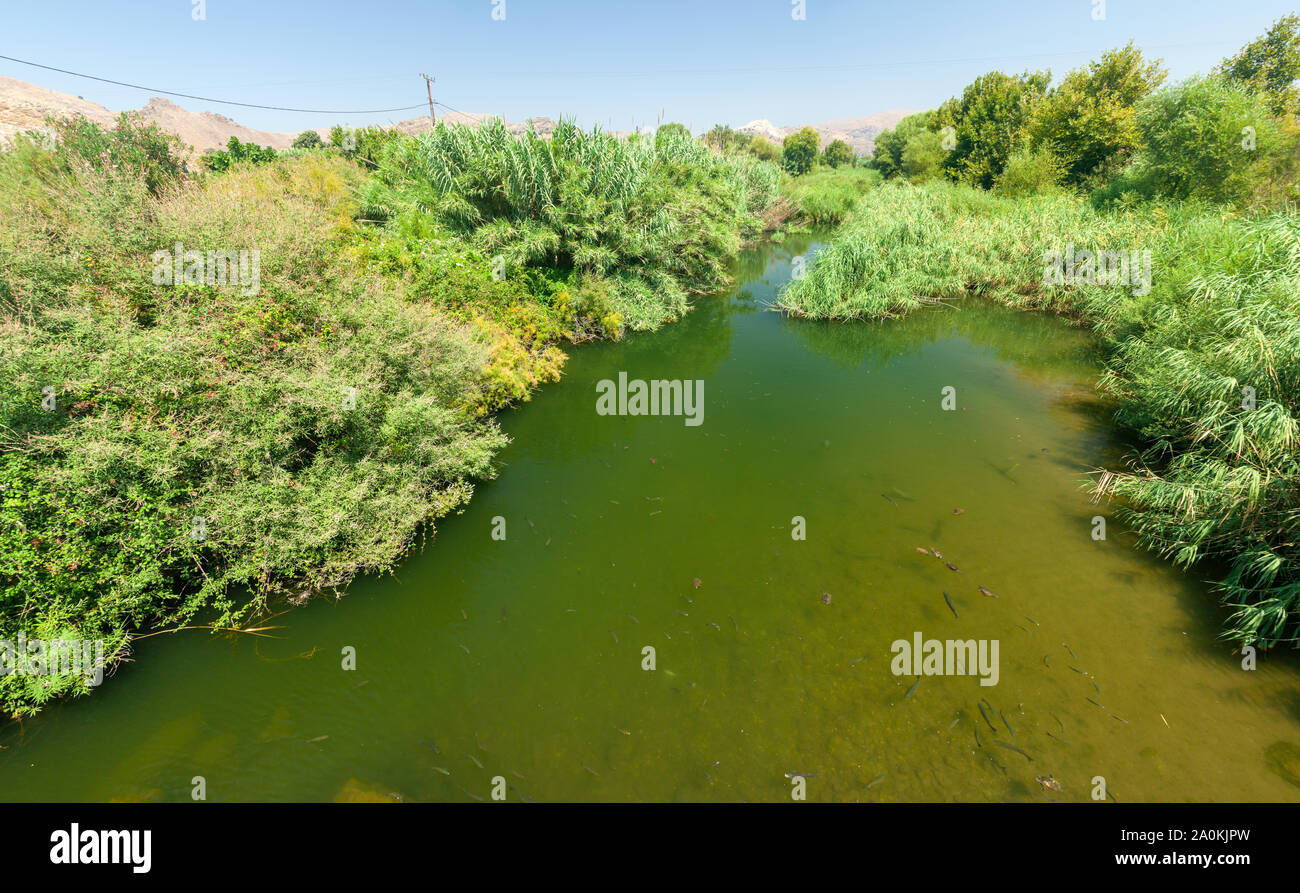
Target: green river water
[{"x": 523, "y": 658}]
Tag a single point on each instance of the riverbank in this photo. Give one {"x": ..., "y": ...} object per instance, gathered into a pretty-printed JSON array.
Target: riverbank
[
  {"x": 232, "y": 389},
  {"x": 1191, "y": 302}
]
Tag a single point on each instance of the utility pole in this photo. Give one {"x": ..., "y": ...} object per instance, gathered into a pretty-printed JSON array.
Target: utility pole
[{"x": 428, "y": 86}]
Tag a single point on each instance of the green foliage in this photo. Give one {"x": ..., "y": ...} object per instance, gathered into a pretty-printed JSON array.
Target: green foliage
[
  {"x": 989, "y": 120},
  {"x": 1204, "y": 368},
  {"x": 218, "y": 160},
  {"x": 308, "y": 139},
  {"x": 669, "y": 132},
  {"x": 129, "y": 146},
  {"x": 201, "y": 401},
  {"x": 654, "y": 220},
  {"x": 762, "y": 149},
  {"x": 838, "y": 154},
  {"x": 1270, "y": 65},
  {"x": 799, "y": 151},
  {"x": 887, "y": 157},
  {"x": 1030, "y": 171},
  {"x": 827, "y": 196},
  {"x": 1207, "y": 138},
  {"x": 923, "y": 156},
  {"x": 1090, "y": 120},
  {"x": 364, "y": 145}
]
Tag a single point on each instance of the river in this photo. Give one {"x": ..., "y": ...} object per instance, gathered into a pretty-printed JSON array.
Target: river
[{"x": 525, "y": 658}]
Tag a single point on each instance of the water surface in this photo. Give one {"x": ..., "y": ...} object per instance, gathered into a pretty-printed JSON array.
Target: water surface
[{"x": 525, "y": 656}]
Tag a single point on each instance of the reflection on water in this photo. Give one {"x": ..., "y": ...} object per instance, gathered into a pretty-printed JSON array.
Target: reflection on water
[{"x": 524, "y": 658}]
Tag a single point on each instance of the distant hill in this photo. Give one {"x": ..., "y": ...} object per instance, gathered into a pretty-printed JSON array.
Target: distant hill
[
  {"x": 859, "y": 133},
  {"x": 24, "y": 106}
]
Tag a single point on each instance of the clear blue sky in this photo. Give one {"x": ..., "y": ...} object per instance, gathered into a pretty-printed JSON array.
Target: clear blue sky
[{"x": 608, "y": 61}]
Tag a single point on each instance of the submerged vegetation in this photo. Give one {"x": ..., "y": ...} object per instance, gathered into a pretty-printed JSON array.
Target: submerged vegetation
[
  {"x": 256, "y": 382},
  {"x": 1180, "y": 205}
]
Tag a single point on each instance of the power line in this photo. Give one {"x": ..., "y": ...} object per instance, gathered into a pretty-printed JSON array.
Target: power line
[{"x": 249, "y": 105}]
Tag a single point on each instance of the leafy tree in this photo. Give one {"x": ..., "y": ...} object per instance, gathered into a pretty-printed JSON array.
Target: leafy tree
[
  {"x": 1271, "y": 65},
  {"x": 923, "y": 156},
  {"x": 1031, "y": 171},
  {"x": 363, "y": 144},
  {"x": 887, "y": 157},
  {"x": 236, "y": 152},
  {"x": 799, "y": 151},
  {"x": 990, "y": 120},
  {"x": 1089, "y": 122},
  {"x": 763, "y": 149},
  {"x": 725, "y": 139},
  {"x": 308, "y": 139},
  {"x": 838, "y": 154},
  {"x": 669, "y": 131},
  {"x": 1208, "y": 137}
]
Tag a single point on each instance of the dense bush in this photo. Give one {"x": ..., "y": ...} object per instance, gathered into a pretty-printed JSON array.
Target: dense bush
[
  {"x": 235, "y": 153},
  {"x": 653, "y": 221}
]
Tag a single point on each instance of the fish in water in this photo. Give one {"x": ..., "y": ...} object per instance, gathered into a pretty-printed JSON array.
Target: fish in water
[
  {"x": 891, "y": 502},
  {"x": 1032, "y": 620},
  {"x": 936, "y": 553},
  {"x": 317, "y": 740},
  {"x": 1120, "y": 718},
  {"x": 950, "y": 566},
  {"x": 1091, "y": 701},
  {"x": 474, "y": 760},
  {"x": 1071, "y": 650},
  {"x": 1058, "y": 738},
  {"x": 950, "y": 607},
  {"x": 911, "y": 691},
  {"x": 521, "y": 796},
  {"x": 683, "y": 613},
  {"x": 1058, "y": 720},
  {"x": 826, "y": 598},
  {"x": 875, "y": 781},
  {"x": 591, "y": 770},
  {"x": 923, "y": 550},
  {"x": 1048, "y": 782},
  {"x": 1077, "y": 670},
  {"x": 714, "y": 625},
  {"x": 1045, "y": 657},
  {"x": 956, "y": 720},
  {"x": 985, "y": 714},
  {"x": 1002, "y": 743},
  {"x": 987, "y": 592},
  {"x": 431, "y": 745},
  {"x": 1007, "y": 724},
  {"x": 615, "y": 635},
  {"x": 440, "y": 769},
  {"x": 801, "y": 775},
  {"x": 633, "y": 619}
]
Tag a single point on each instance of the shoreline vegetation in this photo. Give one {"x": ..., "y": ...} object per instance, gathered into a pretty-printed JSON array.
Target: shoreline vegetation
[
  {"x": 1184, "y": 200},
  {"x": 190, "y": 450},
  {"x": 206, "y": 444}
]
